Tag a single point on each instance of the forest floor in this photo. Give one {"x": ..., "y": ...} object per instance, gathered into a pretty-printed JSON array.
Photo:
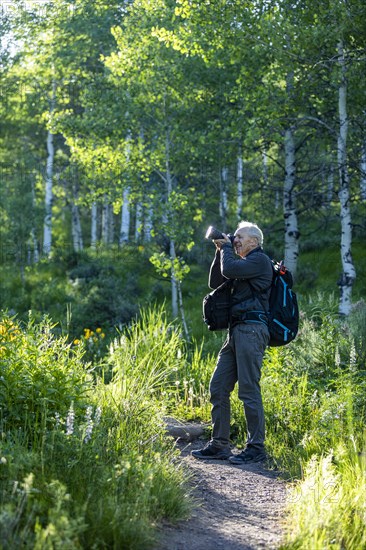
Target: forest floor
[{"x": 237, "y": 507}]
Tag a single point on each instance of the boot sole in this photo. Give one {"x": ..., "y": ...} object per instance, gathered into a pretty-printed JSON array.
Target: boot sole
[
  {"x": 214, "y": 457},
  {"x": 252, "y": 461}
]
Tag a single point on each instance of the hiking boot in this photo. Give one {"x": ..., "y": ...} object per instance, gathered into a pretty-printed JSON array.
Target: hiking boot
[
  {"x": 249, "y": 455},
  {"x": 210, "y": 452}
]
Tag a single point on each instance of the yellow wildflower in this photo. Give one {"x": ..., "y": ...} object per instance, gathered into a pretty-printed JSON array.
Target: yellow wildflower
[{"x": 9, "y": 330}]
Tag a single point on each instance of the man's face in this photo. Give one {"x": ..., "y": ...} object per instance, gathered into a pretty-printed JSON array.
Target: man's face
[{"x": 243, "y": 243}]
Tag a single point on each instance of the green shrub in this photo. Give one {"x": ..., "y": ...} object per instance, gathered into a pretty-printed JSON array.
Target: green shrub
[
  {"x": 312, "y": 392},
  {"x": 100, "y": 471},
  {"x": 41, "y": 375},
  {"x": 108, "y": 300},
  {"x": 357, "y": 327},
  {"x": 101, "y": 288}
]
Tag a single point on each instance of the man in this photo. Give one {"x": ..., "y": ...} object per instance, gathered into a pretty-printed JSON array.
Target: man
[{"x": 240, "y": 358}]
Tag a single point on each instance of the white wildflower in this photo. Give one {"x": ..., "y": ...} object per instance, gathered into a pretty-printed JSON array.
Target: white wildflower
[
  {"x": 58, "y": 420},
  {"x": 352, "y": 357},
  {"x": 337, "y": 357},
  {"x": 89, "y": 424},
  {"x": 70, "y": 420},
  {"x": 97, "y": 416}
]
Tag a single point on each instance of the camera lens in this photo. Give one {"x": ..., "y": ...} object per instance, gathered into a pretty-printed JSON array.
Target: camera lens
[
  {"x": 208, "y": 232},
  {"x": 213, "y": 233}
]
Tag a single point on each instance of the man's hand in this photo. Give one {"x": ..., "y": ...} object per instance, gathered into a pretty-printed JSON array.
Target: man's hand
[{"x": 219, "y": 242}]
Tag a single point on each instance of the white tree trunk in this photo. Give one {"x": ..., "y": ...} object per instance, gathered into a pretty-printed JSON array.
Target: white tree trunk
[
  {"x": 107, "y": 222},
  {"x": 138, "y": 221},
  {"x": 330, "y": 184},
  {"x": 35, "y": 246},
  {"x": 148, "y": 226},
  {"x": 33, "y": 236},
  {"x": 47, "y": 224},
  {"x": 265, "y": 168},
  {"x": 181, "y": 308},
  {"x": 289, "y": 205},
  {"x": 363, "y": 171},
  {"x": 348, "y": 275},
  {"x": 94, "y": 225},
  {"x": 239, "y": 178},
  {"x": 111, "y": 224},
  {"x": 223, "y": 196},
  {"x": 172, "y": 252},
  {"x": 125, "y": 217},
  {"x": 174, "y": 280},
  {"x": 124, "y": 232},
  {"x": 77, "y": 235}
]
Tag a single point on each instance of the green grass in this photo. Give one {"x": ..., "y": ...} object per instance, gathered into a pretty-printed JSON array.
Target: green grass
[
  {"x": 313, "y": 393},
  {"x": 327, "y": 508},
  {"x": 85, "y": 461}
]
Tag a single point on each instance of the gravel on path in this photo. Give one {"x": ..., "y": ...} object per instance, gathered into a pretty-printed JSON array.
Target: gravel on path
[{"x": 238, "y": 507}]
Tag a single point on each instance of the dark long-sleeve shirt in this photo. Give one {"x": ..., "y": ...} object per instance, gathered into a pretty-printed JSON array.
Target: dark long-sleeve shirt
[{"x": 255, "y": 267}]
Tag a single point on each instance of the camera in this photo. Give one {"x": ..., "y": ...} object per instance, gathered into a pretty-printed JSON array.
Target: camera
[{"x": 214, "y": 234}]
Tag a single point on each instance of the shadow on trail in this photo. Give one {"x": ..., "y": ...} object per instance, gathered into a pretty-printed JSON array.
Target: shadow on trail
[{"x": 238, "y": 507}]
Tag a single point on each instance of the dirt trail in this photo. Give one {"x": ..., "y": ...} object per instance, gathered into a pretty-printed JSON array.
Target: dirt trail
[{"x": 239, "y": 507}]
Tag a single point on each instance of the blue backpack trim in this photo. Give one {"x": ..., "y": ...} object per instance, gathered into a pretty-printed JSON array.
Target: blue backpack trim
[{"x": 283, "y": 314}]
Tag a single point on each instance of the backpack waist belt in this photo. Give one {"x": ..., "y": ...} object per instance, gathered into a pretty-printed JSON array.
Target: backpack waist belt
[{"x": 250, "y": 317}]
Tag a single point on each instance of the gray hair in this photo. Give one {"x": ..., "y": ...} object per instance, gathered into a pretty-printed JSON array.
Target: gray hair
[{"x": 253, "y": 231}]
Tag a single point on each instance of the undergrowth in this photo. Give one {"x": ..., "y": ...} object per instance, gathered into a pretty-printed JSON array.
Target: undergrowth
[
  {"x": 85, "y": 460},
  {"x": 83, "y": 464}
]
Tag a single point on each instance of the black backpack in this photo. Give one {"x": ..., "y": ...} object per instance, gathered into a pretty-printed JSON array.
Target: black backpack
[
  {"x": 216, "y": 306},
  {"x": 283, "y": 314}
]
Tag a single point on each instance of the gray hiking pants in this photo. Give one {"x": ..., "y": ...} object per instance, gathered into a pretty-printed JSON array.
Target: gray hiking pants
[{"x": 240, "y": 360}]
